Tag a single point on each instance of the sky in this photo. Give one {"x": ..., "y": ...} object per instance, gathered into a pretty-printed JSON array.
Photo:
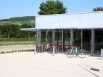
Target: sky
[{"x": 19, "y": 8}]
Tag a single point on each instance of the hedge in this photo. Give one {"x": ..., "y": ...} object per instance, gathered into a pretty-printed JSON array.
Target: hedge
[{"x": 17, "y": 39}]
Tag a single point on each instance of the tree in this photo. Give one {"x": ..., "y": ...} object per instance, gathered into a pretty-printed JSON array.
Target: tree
[
  {"x": 6, "y": 31},
  {"x": 10, "y": 31},
  {"x": 98, "y": 9},
  {"x": 52, "y": 7},
  {"x": 15, "y": 31},
  {"x": 0, "y": 31}
]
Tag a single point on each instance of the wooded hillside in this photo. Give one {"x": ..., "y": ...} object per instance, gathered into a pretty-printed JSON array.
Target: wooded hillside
[
  {"x": 30, "y": 20},
  {"x": 10, "y": 28}
]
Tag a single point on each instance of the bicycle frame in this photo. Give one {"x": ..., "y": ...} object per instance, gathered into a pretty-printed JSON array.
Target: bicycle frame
[{"x": 76, "y": 51}]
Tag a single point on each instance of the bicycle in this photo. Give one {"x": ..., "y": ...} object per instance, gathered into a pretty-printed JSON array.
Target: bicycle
[{"x": 76, "y": 51}]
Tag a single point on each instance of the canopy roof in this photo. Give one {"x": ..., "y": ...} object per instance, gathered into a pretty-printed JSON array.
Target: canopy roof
[
  {"x": 92, "y": 20},
  {"x": 28, "y": 29}
]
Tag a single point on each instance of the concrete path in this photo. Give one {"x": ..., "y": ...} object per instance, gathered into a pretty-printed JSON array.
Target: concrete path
[{"x": 26, "y": 64}]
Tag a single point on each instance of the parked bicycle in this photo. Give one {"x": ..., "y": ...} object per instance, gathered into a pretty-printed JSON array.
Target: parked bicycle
[{"x": 76, "y": 51}]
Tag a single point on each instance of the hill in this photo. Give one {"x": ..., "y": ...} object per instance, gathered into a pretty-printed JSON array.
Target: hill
[
  {"x": 10, "y": 28},
  {"x": 30, "y": 20}
]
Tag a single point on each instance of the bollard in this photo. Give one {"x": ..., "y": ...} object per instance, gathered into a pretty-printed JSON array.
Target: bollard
[
  {"x": 101, "y": 53},
  {"x": 76, "y": 50},
  {"x": 17, "y": 50},
  {"x": 53, "y": 50},
  {"x": 34, "y": 49}
]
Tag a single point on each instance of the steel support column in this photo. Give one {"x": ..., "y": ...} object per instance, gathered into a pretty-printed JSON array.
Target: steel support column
[
  {"x": 46, "y": 39},
  {"x": 39, "y": 38},
  {"x": 92, "y": 41},
  {"x": 81, "y": 39},
  {"x": 71, "y": 37},
  {"x": 53, "y": 41},
  {"x": 62, "y": 40}
]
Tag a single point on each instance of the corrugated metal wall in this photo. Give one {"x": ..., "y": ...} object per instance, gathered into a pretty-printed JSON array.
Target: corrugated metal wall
[{"x": 70, "y": 21}]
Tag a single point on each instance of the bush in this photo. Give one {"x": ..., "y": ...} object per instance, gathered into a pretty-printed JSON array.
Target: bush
[{"x": 17, "y": 39}]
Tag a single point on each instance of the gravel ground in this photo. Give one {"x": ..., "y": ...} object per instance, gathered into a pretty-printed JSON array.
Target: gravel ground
[{"x": 28, "y": 64}]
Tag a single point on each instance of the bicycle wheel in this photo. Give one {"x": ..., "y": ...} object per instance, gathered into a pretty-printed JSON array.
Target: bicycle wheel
[
  {"x": 82, "y": 53},
  {"x": 70, "y": 53}
]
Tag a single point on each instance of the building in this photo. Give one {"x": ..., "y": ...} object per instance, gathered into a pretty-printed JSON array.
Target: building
[{"x": 90, "y": 23}]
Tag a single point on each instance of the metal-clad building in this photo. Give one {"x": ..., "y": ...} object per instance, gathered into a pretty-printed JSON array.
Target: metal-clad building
[
  {"x": 92, "y": 20},
  {"x": 91, "y": 23}
]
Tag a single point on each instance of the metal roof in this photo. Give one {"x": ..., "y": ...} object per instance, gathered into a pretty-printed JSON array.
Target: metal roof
[
  {"x": 92, "y": 20},
  {"x": 28, "y": 29}
]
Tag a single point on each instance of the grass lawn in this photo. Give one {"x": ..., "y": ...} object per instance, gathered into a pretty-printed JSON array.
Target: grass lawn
[{"x": 16, "y": 43}]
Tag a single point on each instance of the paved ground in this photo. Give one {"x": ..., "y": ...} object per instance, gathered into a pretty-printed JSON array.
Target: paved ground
[{"x": 26, "y": 64}]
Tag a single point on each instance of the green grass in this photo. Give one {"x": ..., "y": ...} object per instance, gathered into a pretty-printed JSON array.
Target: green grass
[
  {"x": 16, "y": 39},
  {"x": 17, "y": 43}
]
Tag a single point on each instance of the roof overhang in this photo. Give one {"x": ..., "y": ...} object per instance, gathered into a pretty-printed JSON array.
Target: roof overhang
[{"x": 28, "y": 29}]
